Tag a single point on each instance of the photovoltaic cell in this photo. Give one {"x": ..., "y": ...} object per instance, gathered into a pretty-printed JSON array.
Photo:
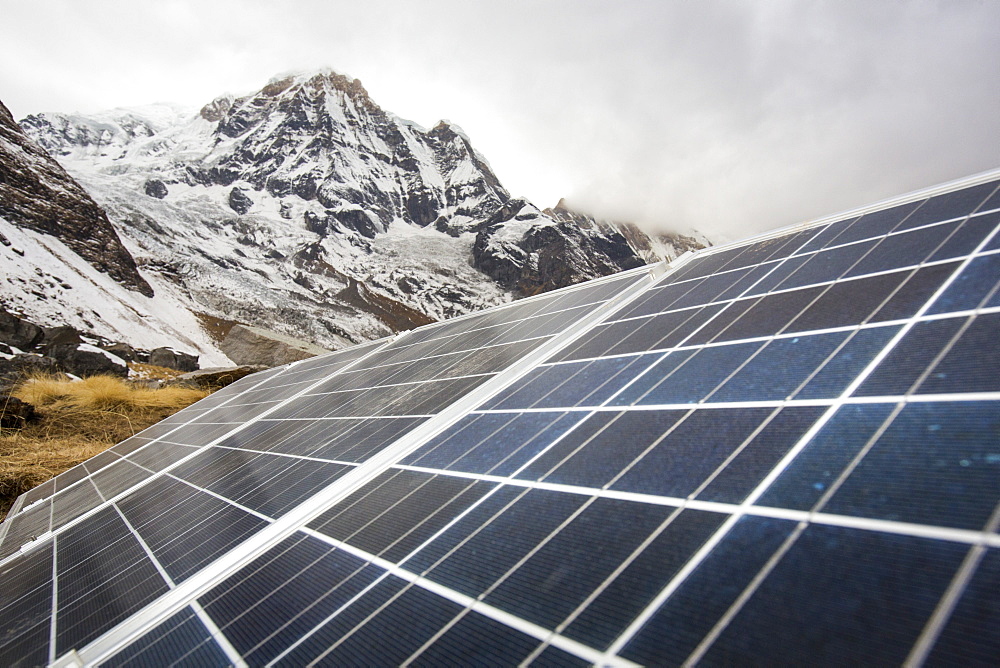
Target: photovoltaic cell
[{"x": 778, "y": 451}]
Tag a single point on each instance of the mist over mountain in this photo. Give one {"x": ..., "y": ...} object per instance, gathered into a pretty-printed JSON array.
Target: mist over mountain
[{"x": 304, "y": 208}]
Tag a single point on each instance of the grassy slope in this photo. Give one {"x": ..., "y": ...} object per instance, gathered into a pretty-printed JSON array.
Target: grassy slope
[{"x": 78, "y": 419}]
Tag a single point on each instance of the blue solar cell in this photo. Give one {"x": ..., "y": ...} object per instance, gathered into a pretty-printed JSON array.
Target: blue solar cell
[
  {"x": 937, "y": 463},
  {"x": 910, "y": 358},
  {"x": 273, "y": 601},
  {"x": 478, "y": 516},
  {"x": 597, "y": 381},
  {"x": 316, "y": 645},
  {"x": 856, "y": 600},
  {"x": 573, "y": 563},
  {"x": 159, "y": 455},
  {"x": 849, "y": 303},
  {"x": 496, "y": 547},
  {"x": 829, "y": 265},
  {"x": 73, "y": 502},
  {"x": 269, "y": 484},
  {"x": 677, "y": 627},
  {"x": 840, "y": 371},
  {"x": 609, "y": 451},
  {"x": 826, "y": 234},
  {"x": 696, "y": 447},
  {"x": 185, "y": 528},
  {"x": 476, "y": 640},
  {"x": 26, "y": 608},
  {"x": 771, "y": 314},
  {"x": 973, "y": 362},
  {"x": 761, "y": 454},
  {"x": 637, "y": 584},
  {"x": 968, "y": 236},
  {"x": 104, "y": 577},
  {"x": 915, "y": 292},
  {"x": 956, "y": 204},
  {"x": 819, "y": 465},
  {"x": 971, "y": 287},
  {"x": 904, "y": 249},
  {"x": 875, "y": 224},
  {"x": 690, "y": 382},
  {"x": 779, "y": 368},
  {"x": 181, "y": 640},
  {"x": 777, "y": 274},
  {"x": 962, "y": 640}
]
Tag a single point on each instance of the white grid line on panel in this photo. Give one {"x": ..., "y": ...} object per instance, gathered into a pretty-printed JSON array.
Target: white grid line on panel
[
  {"x": 946, "y": 606},
  {"x": 927, "y": 317},
  {"x": 702, "y": 326},
  {"x": 145, "y": 548},
  {"x": 473, "y": 604},
  {"x": 403, "y": 384},
  {"x": 968, "y": 536},
  {"x": 230, "y": 502},
  {"x": 229, "y": 563},
  {"x": 747, "y": 294},
  {"x": 219, "y": 637},
  {"x": 285, "y": 454},
  {"x": 794, "y": 452},
  {"x": 762, "y": 403},
  {"x": 179, "y": 462},
  {"x": 923, "y": 193},
  {"x": 699, "y": 651}
]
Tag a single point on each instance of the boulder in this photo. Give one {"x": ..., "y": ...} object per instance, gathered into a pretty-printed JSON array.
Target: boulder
[
  {"x": 173, "y": 359},
  {"x": 19, "y": 333},
  {"x": 16, "y": 368},
  {"x": 60, "y": 336},
  {"x": 217, "y": 376},
  {"x": 156, "y": 188},
  {"x": 14, "y": 413},
  {"x": 83, "y": 359},
  {"x": 254, "y": 345},
  {"x": 123, "y": 350},
  {"x": 239, "y": 201}
]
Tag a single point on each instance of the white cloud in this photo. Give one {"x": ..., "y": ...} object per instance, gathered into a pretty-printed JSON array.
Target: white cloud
[{"x": 729, "y": 117}]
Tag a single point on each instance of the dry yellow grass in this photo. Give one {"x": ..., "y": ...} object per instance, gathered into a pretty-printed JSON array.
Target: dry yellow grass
[{"x": 78, "y": 419}]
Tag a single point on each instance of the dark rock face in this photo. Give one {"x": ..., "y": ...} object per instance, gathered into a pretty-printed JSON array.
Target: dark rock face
[
  {"x": 173, "y": 359},
  {"x": 37, "y": 193},
  {"x": 123, "y": 350},
  {"x": 14, "y": 413},
  {"x": 83, "y": 360},
  {"x": 61, "y": 336},
  {"x": 156, "y": 188},
  {"x": 19, "y": 333},
  {"x": 18, "y": 368},
  {"x": 558, "y": 247},
  {"x": 239, "y": 201}
]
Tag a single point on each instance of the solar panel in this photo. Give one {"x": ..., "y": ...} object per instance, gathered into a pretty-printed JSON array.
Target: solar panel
[{"x": 781, "y": 450}]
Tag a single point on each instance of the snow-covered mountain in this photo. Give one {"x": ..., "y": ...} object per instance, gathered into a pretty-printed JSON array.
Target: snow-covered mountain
[{"x": 307, "y": 209}]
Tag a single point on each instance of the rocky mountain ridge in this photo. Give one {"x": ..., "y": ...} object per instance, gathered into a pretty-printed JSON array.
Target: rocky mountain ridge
[{"x": 307, "y": 209}]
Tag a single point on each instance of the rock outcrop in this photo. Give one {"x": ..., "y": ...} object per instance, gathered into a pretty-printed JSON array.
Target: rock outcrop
[
  {"x": 216, "y": 377},
  {"x": 173, "y": 359},
  {"x": 253, "y": 345},
  {"x": 37, "y": 193}
]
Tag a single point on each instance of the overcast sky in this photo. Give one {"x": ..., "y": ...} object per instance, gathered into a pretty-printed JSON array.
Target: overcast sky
[{"x": 727, "y": 117}]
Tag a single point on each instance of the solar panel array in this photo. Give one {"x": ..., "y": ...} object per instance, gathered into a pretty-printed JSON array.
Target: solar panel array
[{"x": 783, "y": 450}]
